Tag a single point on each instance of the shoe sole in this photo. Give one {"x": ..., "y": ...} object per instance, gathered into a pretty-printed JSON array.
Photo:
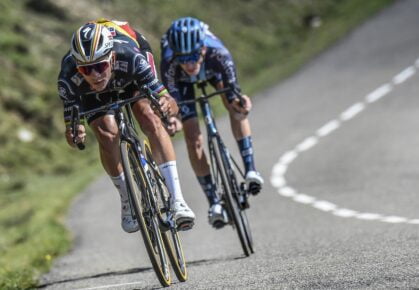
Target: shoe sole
[
  {"x": 131, "y": 231},
  {"x": 134, "y": 230},
  {"x": 254, "y": 188},
  {"x": 184, "y": 224},
  {"x": 218, "y": 224}
]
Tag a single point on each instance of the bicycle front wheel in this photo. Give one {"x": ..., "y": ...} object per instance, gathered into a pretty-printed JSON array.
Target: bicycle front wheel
[
  {"x": 247, "y": 231},
  {"x": 222, "y": 171},
  {"x": 170, "y": 236},
  {"x": 139, "y": 192}
]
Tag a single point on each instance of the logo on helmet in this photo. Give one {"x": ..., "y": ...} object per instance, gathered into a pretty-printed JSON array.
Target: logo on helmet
[
  {"x": 86, "y": 34},
  {"x": 91, "y": 42}
]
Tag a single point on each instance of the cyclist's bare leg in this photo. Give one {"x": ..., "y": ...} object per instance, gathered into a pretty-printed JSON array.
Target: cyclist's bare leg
[
  {"x": 107, "y": 135},
  {"x": 164, "y": 154},
  {"x": 152, "y": 126},
  {"x": 240, "y": 128},
  {"x": 242, "y": 133},
  {"x": 195, "y": 145}
]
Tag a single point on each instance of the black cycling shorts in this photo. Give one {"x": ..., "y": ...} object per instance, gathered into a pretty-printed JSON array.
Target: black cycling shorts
[{"x": 187, "y": 92}]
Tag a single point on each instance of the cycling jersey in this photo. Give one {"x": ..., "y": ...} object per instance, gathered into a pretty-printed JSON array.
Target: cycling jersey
[
  {"x": 218, "y": 66},
  {"x": 133, "y": 67}
]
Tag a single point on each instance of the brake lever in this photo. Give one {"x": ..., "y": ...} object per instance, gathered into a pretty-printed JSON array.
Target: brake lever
[
  {"x": 75, "y": 122},
  {"x": 238, "y": 94}
]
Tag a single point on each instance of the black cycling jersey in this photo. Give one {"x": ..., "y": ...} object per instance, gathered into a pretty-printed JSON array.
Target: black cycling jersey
[{"x": 131, "y": 69}]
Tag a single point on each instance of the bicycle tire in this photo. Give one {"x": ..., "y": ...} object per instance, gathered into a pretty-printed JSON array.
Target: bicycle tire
[
  {"x": 237, "y": 191},
  {"x": 176, "y": 255},
  {"x": 247, "y": 230},
  {"x": 138, "y": 188},
  {"x": 171, "y": 236},
  {"x": 216, "y": 149}
]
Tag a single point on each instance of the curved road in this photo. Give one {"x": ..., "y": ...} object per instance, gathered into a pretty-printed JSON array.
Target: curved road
[{"x": 341, "y": 163}]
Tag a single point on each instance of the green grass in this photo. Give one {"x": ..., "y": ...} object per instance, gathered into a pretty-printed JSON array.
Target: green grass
[
  {"x": 269, "y": 40},
  {"x": 31, "y": 223}
]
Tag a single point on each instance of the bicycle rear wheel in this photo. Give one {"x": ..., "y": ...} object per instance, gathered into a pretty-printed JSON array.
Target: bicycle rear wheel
[
  {"x": 221, "y": 173},
  {"x": 170, "y": 236},
  {"x": 142, "y": 203}
]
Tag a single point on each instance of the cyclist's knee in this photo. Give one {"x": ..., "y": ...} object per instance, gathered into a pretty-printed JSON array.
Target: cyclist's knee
[
  {"x": 193, "y": 136},
  {"x": 194, "y": 140},
  {"x": 150, "y": 123},
  {"x": 106, "y": 131}
]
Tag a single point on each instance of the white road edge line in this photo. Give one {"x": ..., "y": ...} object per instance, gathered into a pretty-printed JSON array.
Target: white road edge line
[
  {"x": 328, "y": 128},
  {"x": 280, "y": 168},
  {"x": 111, "y": 286},
  {"x": 352, "y": 111},
  {"x": 378, "y": 93},
  {"x": 307, "y": 144},
  {"x": 404, "y": 75}
]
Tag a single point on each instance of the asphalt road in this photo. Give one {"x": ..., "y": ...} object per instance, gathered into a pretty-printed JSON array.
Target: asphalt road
[{"x": 338, "y": 145}]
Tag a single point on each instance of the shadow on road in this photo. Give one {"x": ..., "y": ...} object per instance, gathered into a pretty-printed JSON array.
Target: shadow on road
[
  {"x": 138, "y": 270},
  {"x": 107, "y": 274}
]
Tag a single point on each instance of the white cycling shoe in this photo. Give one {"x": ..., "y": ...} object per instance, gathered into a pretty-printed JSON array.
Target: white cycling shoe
[
  {"x": 254, "y": 182},
  {"x": 217, "y": 216},
  {"x": 128, "y": 223},
  {"x": 183, "y": 215}
]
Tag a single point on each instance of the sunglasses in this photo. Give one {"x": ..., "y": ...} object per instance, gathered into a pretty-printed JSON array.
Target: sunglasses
[
  {"x": 99, "y": 67},
  {"x": 187, "y": 58}
]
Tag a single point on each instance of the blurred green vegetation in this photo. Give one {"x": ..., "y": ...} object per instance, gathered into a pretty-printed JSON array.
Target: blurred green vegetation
[{"x": 39, "y": 173}]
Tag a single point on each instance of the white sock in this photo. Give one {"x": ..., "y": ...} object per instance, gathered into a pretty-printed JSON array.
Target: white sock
[
  {"x": 121, "y": 185},
  {"x": 171, "y": 177}
]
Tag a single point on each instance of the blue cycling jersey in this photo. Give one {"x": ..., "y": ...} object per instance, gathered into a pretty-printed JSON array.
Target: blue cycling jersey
[{"x": 218, "y": 66}]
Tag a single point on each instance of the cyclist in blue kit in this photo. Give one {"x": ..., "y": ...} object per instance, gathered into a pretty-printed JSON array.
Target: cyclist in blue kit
[
  {"x": 190, "y": 54},
  {"x": 108, "y": 59}
]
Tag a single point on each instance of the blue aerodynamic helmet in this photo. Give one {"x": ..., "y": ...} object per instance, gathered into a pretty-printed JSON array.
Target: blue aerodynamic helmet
[{"x": 186, "y": 35}]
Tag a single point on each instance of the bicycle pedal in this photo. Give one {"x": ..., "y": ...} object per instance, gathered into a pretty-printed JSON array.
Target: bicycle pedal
[
  {"x": 254, "y": 188},
  {"x": 245, "y": 204}
]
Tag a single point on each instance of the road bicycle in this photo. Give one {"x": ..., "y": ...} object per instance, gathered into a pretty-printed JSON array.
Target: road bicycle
[
  {"x": 148, "y": 195},
  {"x": 228, "y": 177}
]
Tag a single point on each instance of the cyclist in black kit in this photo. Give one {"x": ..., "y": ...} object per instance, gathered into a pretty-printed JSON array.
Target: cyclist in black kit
[
  {"x": 109, "y": 58},
  {"x": 191, "y": 53}
]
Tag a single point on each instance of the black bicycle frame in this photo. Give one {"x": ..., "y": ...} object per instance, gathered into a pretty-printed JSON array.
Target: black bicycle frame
[
  {"x": 127, "y": 131},
  {"x": 208, "y": 116},
  {"x": 212, "y": 131}
]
